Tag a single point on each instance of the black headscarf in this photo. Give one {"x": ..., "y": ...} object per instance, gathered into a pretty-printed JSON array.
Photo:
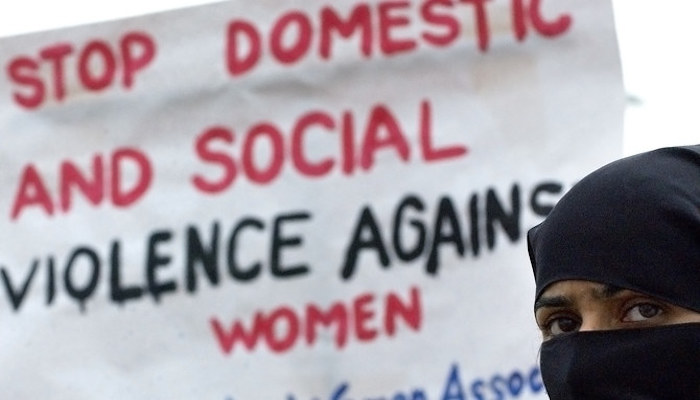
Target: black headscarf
[{"x": 634, "y": 223}]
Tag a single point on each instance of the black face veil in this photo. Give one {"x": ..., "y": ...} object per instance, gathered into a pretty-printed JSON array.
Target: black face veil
[{"x": 634, "y": 224}]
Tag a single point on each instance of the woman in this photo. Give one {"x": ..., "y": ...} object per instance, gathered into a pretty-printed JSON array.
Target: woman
[{"x": 617, "y": 273}]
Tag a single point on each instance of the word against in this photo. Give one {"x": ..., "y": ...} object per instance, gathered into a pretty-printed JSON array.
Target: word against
[{"x": 461, "y": 226}]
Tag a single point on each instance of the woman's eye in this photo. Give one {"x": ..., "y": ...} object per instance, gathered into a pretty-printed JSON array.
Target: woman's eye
[
  {"x": 561, "y": 325},
  {"x": 642, "y": 312}
]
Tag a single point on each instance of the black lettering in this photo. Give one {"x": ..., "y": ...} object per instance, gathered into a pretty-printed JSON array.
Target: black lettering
[
  {"x": 82, "y": 294},
  {"x": 197, "y": 254},
  {"x": 404, "y": 254},
  {"x": 474, "y": 224},
  {"x": 279, "y": 241},
  {"x": 16, "y": 297},
  {"x": 50, "y": 281},
  {"x": 155, "y": 261},
  {"x": 536, "y": 204},
  {"x": 367, "y": 223},
  {"x": 118, "y": 293},
  {"x": 446, "y": 218},
  {"x": 496, "y": 213},
  {"x": 233, "y": 268}
]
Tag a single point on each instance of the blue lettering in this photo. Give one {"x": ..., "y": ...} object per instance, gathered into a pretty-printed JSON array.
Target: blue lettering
[
  {"x": 536, "y": 380},
  {"x": 418, "y": 395},
  {"x": 494, "y": 385},
  {"x": 516, "y": 383},
  {"x": 453, "y": 387},
  {"x": 477, "y": 386},
  {"x": 340, "y": 391}
]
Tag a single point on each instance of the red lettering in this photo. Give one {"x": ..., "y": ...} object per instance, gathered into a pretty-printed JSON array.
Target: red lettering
[
  {"x": 450, "y": 23},
  {"x": 228, "y": 339},
  {"x": 429, "y": 152},
  {"x": 380, "y": 117},
  {"x": 121, "y": 196},
  {"x": 236, "y": 62},
  {"x": 31, "y": 192},
  {"x": 107, "y": 59},
  {"x": 301, "y": 42},
  {"x": 482, "y": 25},
  {"x": 281, "y": 328},
  {"x": 348, "y": 143},
  {"x": 298, "y": 157},
  {"x": 289, "y": 318},
  {"x": 534, "y": 11},
  {"x": 546, "y": 28},
  {"x": 71, "y": 177},
  {"x": 276, "y": 157},
  {"x": 205, "y": 153},
  {"x": 360, "y": 18},
  {"x": 138, "y": 50},
  {"x": 519, "y": 24},
  {"x": 335, "y": 315},
  {"x": 363, "y": 317},
  {"x": 22, "y": 71},
  {"x": 410, "y": 313},
  {"x": 387, "y": 22},
  {"x": 56, "y": 54}
]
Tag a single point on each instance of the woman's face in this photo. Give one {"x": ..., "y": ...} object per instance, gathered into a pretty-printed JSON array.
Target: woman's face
[{"x": 575, "y": 305}]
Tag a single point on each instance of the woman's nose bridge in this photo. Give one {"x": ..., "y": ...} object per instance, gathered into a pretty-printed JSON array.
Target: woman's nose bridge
[{"x": 596, "y": 320}]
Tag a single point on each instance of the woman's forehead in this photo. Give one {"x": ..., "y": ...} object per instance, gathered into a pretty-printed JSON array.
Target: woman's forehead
[{"x": 574, "y": 287}]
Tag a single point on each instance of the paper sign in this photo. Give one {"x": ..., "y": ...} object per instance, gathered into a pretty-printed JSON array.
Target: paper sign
[{"x": 297, "y": 201}]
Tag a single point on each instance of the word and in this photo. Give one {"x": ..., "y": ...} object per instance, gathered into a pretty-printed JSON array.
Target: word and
[
  {"x": 383, "y": 27},
  {"x": 84, "y": 267},
  {"x": 382, "y": 131},
  {"x": 414, "y": 232},
  {"x": 360, "y": 138},
  {"x": 48, "y": 75},
  {"x": 364, "y": 318},
  {"x": 104, "y": 182},
  {"x": 497, "y": 387}
]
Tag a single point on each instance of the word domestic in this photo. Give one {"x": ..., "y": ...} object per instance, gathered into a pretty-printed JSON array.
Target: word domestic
[
  {"x": 364, "y": 318},
  {"x": 499, "y": 386},
  {"x": 388, "y": 27}
]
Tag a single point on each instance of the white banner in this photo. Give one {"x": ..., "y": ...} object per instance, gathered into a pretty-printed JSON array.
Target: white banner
[{"x": 308, "y": 200}]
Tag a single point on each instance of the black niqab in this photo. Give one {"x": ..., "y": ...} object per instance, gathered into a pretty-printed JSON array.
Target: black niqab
[{"x": 634, "y": 224}]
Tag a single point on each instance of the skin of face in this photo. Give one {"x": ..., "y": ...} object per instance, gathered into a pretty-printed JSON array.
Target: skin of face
[{"x": 576, "y": 305}]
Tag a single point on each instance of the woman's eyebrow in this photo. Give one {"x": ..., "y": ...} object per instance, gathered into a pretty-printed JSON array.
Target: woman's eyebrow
[
  {"x": 608, "y": 291},
  {"x": 553, "y": 301}
]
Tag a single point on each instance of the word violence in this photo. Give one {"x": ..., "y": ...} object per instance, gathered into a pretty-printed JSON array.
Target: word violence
[
  {"x": 379, "y": 131},
  {"x": 384, "y": 27},
  {"x": 209, "y": 255},
  {"x": 365, "y": 319}
]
